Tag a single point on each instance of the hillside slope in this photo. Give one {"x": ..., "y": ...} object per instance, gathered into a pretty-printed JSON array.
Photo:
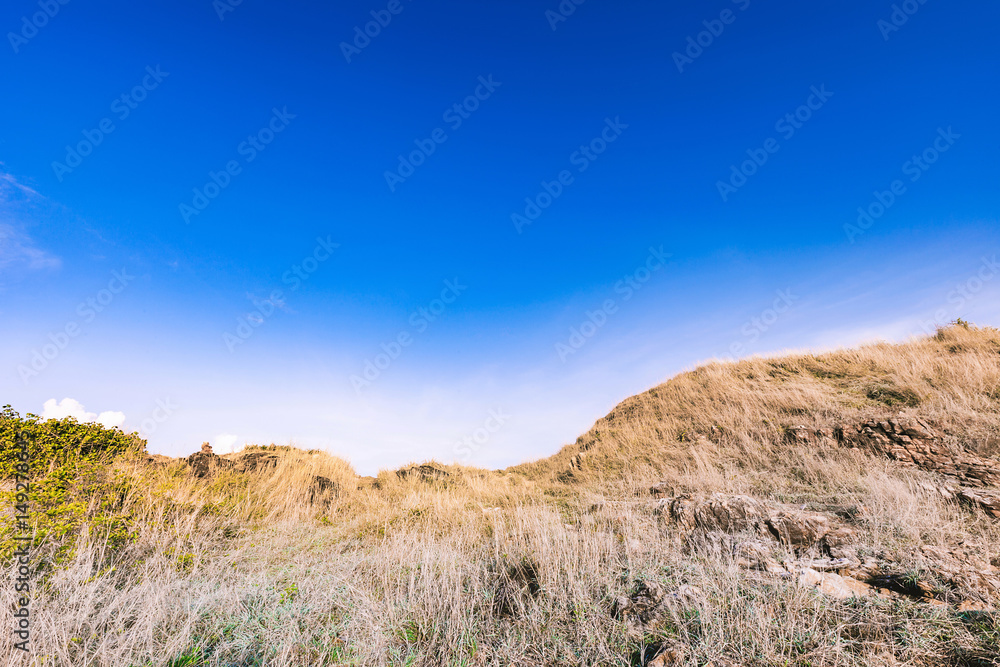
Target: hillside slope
[
  {"x": 740, "y": 414},
  {"x": 836, "y": 510}
]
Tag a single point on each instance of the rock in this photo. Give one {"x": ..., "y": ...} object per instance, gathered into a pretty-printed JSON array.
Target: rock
[
  {"x": 669, "y": 657},
  {"x": 206, "y": 462},
  {"x": 987, "y": 500},
  {"x": 718, "y": 512},
  {"x": 253, "y": 461},
  {"x": 736, "y": 514},
  {"x": 798, "y": 528},
  {"x": 834, "y": 585},
  {"x": 321, "y": 489},
  {"x": 915, "y": 443},
  {"x": 424, "y": 473},
  {"x": 662, "y": 490}
]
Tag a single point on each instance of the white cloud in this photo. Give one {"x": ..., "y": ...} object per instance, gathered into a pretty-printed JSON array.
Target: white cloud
[
  {"x": 224, "y": 443},
  {"x": 70, "y": 407}
]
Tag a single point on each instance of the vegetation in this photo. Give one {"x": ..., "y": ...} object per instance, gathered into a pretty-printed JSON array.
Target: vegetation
[{"x": 157, "y": 567}]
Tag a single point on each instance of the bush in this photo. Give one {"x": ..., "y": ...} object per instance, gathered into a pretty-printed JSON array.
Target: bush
[{"x": 72, "y": 480}]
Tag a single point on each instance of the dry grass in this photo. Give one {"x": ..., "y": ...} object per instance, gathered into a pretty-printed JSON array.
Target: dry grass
[{"x": 522, "y": 567}]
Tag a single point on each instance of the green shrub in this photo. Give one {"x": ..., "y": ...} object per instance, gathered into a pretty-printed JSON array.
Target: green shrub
[{"x": 72, "y": 480}]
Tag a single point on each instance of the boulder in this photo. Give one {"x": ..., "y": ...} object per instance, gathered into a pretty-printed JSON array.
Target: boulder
[
  {"x": 206, "y": 462},
  {"x": 795, "y": 527},
  {"x": 321, "y": 489}
]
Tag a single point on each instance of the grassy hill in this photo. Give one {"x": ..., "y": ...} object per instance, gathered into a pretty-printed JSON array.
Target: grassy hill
[{"x": 832, "y": 509}]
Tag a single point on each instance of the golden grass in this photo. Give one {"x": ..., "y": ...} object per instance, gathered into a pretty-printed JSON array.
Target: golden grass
[{"x": 522, "y": 567}]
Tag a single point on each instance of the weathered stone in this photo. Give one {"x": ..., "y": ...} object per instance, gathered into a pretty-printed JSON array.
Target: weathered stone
[
  {"x": 834, "y": 585},
  {"x": 914, "y": 442},
  {"x": 986, "y": 499},
  {"x": 322, "y": 489},
  {"x": 206, "y": 462},
  {"x": 662, "y": 490},
  {"x": 425, "y": 473},
  {"x": 253, "y": 461},
  {"x": 729, "y": 514},
  {"x": 670, "y": 657},
  {"x": 798, "y": 528},
  {"x": 735, "y": 514}
]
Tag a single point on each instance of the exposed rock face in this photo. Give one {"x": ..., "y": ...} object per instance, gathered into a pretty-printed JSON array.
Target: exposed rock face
[
  {"x": 252, "y": 461},
  {"x": 425, "y": 472},
  {"x": 322, "y": 489},
  {"x": 914, "y": 442},
  {"x": 797, "y": 528},
  {"x": 205, "y": 462},
  {"x": 953, "y": 575},
  {"x": 650, "y": 604},
  {"x": 986, "y": 499}
]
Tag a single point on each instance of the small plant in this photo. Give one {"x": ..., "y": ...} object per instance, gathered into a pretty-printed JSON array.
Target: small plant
[{"x": 289, "y": 594}]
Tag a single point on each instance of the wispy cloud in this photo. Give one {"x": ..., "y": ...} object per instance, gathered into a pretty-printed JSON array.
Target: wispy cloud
[
  {"x": 18, "y": 250},
  {"x": 11, "y": 189}
]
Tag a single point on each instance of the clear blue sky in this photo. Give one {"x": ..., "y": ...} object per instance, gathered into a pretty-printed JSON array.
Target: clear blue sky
[{"x": 242, "y": 165}]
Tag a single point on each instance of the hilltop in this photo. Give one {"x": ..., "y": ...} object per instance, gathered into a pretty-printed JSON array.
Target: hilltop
[{"x": 831, "y": 509}]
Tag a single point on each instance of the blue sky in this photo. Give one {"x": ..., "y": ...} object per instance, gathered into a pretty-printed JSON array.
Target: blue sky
[{"x": 215, "y": 218}]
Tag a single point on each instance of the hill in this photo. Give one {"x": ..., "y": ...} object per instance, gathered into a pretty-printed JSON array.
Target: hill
[{"x": 833, "y": 509}]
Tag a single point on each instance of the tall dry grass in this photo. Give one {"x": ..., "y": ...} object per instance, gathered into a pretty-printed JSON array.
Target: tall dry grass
[{"x": 523, "y": 567}]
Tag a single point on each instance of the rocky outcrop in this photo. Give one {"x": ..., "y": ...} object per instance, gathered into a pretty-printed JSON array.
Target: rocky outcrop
[
  {"x": 322, "y": 489},
  {"x": 424, "y": 473},
  {"x": 206, "y": 462},
  {"x": 914, "y": 442},
  {"x": 649, "y": 605},
  {"x": 819, "y": 552},
  {"x": 797, "y": 528},
  {"x": 254, "y": 461}
]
